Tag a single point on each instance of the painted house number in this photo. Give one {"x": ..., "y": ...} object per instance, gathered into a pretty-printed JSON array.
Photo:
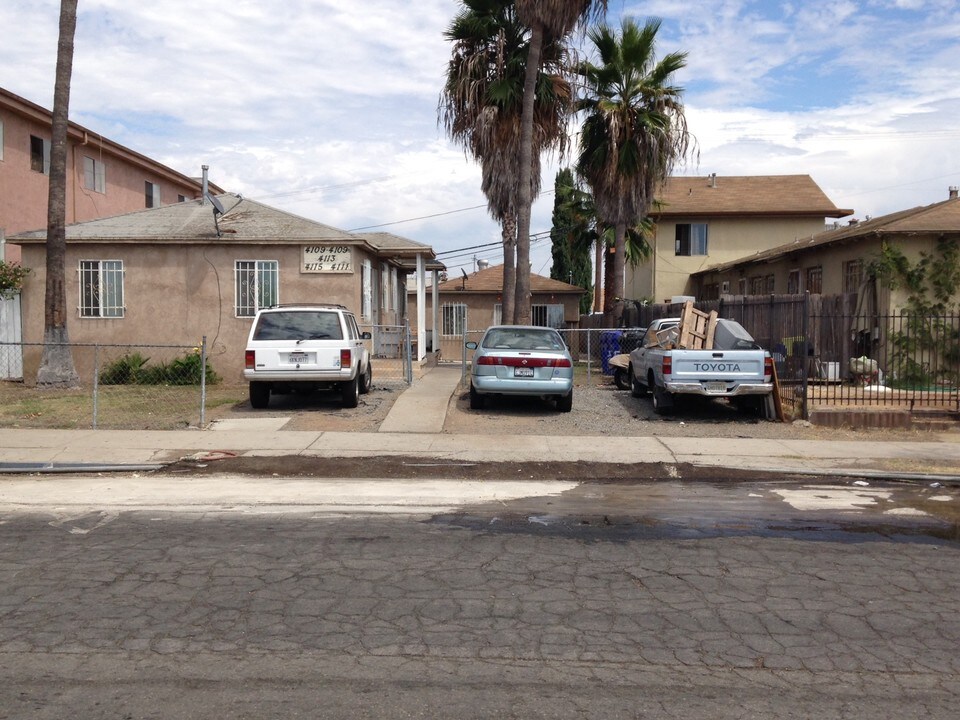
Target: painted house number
[{"x": 327, "y": 259}]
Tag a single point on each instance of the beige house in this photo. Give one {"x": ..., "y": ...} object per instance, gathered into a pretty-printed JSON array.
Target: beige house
[
  {"x": 834, "y": 261},
  {"x": 472, "y": 303},
  {"x": 705, "y": 221},
  {"x": 104, "y": 178},
  {"x": 177, "y": 273}
]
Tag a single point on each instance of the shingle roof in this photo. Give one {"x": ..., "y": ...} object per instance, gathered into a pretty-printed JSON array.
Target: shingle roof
[
  {"x": 939, "y": 218},
  {"x": 490, "y": 280},
  {"x": 745, "y": 195},
  {"x": 242, "y": 220}
]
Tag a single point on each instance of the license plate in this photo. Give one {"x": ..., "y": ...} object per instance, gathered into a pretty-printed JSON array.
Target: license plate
[
  {"x": 716, "y": 387},
  {"x": 523, "y": 372},
  {"x": 298, "y": 357}
]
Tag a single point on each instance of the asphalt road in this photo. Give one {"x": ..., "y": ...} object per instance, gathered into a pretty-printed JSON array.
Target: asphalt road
[{"x": 521, "y": 599}]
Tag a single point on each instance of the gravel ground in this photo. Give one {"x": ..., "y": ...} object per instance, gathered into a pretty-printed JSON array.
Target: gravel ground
[{"x": 599, "y": 410}]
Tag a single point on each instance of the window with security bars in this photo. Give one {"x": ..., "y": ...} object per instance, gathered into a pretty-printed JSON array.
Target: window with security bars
[
  {"x": 793, "y": 283},
  {"x": 852, "y": 275},
  {"x": 257, "y": 285},
  {"x": 101, "y": 288},
  {"x": 815, "y": 280},
  {"x": 454, "y": 318}
]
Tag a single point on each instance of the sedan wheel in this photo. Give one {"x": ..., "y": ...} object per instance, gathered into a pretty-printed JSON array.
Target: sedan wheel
[
  {"x": 477, "y": 401},
  {"x": 565, "y": 403}
]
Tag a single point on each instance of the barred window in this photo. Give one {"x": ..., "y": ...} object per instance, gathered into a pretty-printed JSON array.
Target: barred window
[
  {"x": 756, "y": 285},
  {"x": 852, "y": 275},
  {"x": 815, "y": 280},
  {"x": 101, "y": 288},
  {"x": 769, "y": 284},
  {"x": 257, "y": 284},
  {"x": 454, "y": 319}
]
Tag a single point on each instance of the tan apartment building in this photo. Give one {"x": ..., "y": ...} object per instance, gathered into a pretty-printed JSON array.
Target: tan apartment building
[
  {"x": 104, "y": 178},
  {"x": 706, "y": 221}
]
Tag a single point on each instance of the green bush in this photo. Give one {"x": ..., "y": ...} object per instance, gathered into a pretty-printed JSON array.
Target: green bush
[{"x": 132, "y": 369}]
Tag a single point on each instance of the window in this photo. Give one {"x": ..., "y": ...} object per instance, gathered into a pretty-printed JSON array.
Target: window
[
  {"x": 151, "y": 194},
  {"x": 454, "y": 319},
  {"x": 742, "y": 286},
  {"x": 769, "y": 284},
  {"x": 257, "y": 284},
  {"x": 1, "y": 139},
  {"x": 725, "y": 287},
  {"x": 181, "y": 198},
  {"x": 39, "y": 155},
  {"x": 711, "y": 291},
  {"x": 756, "y": 285},
  {"x": 815, "y": 280},
  {"x": 385, "y": 296},
  {"x": 852, "y": 276},
  {"x": 691, "y": 239},
  {"x": 366, "y": 291},
  {"x": 101, "y": 288},
  {"x": 93, "y": 175},
  {"x": 546, "y": 315},
  {"x": 793, "y": 283}
]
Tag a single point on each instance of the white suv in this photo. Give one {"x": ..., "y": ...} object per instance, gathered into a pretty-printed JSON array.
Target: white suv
[{"x": 307, "y": 347}]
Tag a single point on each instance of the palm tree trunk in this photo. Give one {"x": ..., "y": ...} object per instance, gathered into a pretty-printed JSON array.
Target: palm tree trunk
[
  {"x": 615, "y": 310},
  {"x": 598, "y": 286},
  {"x": 509, "y": 234},
  {"x": 56, "y": 363},
  {"x": 525, "y": 196}
]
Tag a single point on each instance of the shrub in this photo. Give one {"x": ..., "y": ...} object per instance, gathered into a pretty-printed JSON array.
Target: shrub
[{"x": 132, "y": 369}]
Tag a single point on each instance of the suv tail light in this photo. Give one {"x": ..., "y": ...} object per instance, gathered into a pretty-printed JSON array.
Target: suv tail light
[
  {"x": 345, "y": 358},
  {"x": 250, "y": 359}
]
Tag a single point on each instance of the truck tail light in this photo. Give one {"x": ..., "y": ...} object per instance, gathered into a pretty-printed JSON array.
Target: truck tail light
[
  {"x": 768, "y": 369},
  {"x": 250, "y": 359},
  {"x": 345, "y": 358},
  {"x": 667, "y": 366}
]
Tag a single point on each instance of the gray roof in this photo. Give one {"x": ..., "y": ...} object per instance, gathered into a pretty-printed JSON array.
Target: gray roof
[{"x": 243, "y": 219}]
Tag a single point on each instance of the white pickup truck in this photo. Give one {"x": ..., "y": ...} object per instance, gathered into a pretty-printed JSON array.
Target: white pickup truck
[{"x": 736, "y": 367}]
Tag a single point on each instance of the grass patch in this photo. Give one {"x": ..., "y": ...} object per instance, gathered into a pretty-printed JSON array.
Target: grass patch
[{"x": 120, "y": 407}]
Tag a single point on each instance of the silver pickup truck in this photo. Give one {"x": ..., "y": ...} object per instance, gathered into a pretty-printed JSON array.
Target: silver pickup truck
[{"x": 736, "y": 367}]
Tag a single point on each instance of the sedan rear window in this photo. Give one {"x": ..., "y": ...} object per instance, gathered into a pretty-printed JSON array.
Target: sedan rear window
[
  {"x": 299, "y": 326},
  {"x": 507, "y": 339}
]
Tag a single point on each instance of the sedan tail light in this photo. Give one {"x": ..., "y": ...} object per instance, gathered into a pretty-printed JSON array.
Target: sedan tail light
[
  {"x": 250, "y": 359},
  {"x": 532, "y": 362}
]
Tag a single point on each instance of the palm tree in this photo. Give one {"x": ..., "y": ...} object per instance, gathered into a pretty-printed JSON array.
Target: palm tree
[
  {"x": 56, "y": 363},
  {"x": 481, "y": 107},
  {"x": 634, "y": 131},
  {"x": 549, "y": 21}
]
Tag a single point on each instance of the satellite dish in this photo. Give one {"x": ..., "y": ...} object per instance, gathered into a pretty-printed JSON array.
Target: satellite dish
[
  {"x": 217, "y": 205},
  {"x": 217, "y": 210}
]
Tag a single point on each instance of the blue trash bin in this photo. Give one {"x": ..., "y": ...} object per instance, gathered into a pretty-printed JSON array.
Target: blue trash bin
[{"x": 609, "y": 346}]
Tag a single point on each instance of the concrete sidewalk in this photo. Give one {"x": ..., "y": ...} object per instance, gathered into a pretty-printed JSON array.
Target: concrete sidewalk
[{"x": 413, "y": 429}]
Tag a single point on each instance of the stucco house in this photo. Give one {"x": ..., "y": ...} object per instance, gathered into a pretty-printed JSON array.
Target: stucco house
[
  {"x": 104, "y": 178},
  {"x": 834, "y": 261},
  {"x": 472, "y": 303},
  {"x": 706, "y": 221},
  {"x": 179, "y": 272}
]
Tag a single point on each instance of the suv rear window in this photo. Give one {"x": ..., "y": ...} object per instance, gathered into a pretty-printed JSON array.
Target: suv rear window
[{"x": 299, "y": 326}]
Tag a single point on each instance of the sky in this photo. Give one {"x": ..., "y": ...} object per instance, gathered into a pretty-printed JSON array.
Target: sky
[{"x": 328, "y": 108}]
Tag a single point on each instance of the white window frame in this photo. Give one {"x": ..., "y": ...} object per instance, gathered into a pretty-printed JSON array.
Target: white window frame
[
  {"x": 386, "y": 298},
  {"x": 46, "y": 153},
  {"x": 101, "y": 289},
  {"x": 697, "y": 240},
  {"x": 453, "y": 319},
  {"x": 395, "y": 284},
  {"x": 366, "y": 291},
  {"x": 154, "y": 188},
  {"x": 94, "y": 174},
  {"x": 256, "y": 284}
]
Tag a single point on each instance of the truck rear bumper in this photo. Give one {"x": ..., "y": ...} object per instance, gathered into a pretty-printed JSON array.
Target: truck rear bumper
[{"x": 693, "y": 388}]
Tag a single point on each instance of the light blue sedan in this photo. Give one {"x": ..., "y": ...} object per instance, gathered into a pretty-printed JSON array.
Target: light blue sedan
[{"x": 521, "y": 360}]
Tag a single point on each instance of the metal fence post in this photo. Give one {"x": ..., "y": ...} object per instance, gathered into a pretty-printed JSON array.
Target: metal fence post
[
  {"x": 409, "y": 352},
  {"x": 203, "y": 381},
  {"x": 589, "y": 355},
  {"x": 805, "y": 359},
  {"x": 96, "y": 382}
]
